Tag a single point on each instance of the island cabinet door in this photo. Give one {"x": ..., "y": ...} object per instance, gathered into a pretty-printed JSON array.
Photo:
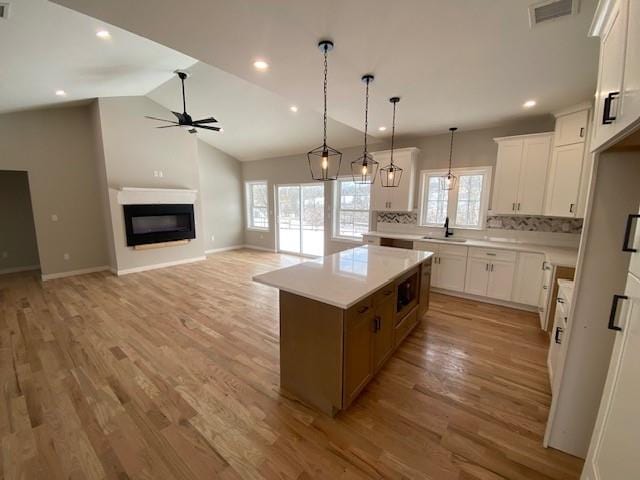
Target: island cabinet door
[
  {"x": 383, "y": 323},
  {"x": 358, "y": 350}
]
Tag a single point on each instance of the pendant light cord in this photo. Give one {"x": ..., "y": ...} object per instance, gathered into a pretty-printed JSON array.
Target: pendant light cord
[
  {"x": 393, "y": 130},
  {"x": 451, "y": 151},
  {"x": 366, "y": 116},
  {"x": 324, "y": 140}
]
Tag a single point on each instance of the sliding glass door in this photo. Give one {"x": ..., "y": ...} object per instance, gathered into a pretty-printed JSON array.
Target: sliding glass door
[{"x": 301, "y": 218}]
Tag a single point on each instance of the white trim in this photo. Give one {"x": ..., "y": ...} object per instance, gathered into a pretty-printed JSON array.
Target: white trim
[
  {"x": 263, "y": 249},
  {"x": 159, "y": 265},
  {"x": 19, "y": 269},
  {"x": 223, "y": 249},
  {"x": 528, "y": 135},
  {"x": 480, "y": 298},
  {"x": 73, "y": 273},
  {"x": 146, "y": 196},
  {"x": 397, "y": 150},
  {"x": 601, "y": 17},
  {"x": 588, "y": 105}
]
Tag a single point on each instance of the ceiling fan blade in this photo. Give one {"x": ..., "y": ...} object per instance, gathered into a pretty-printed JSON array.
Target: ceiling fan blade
[
  {"x": 215, "y": 129},
  {"x": 206, "y": 120},
  {"x": 159, "y": 119},
  {"x": 179, "y": 116},
  {"x": 169, "y": 126}
]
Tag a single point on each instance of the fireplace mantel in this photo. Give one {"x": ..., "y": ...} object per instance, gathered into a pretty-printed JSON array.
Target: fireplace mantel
[{"x": 143, "y": 196}]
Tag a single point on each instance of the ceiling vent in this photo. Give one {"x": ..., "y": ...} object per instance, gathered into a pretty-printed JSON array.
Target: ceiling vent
[
  {"x": 4, "y": 10},
  {"x": 551, "y": 10}
]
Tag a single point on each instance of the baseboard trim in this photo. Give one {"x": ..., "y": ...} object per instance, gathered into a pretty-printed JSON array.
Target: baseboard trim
[
  {"x": 72, "y": 273},
  {"x": 27, "y": 268},
  {"x": 223, "y": 249},
  {"x": 479, "y": 298},
  {"x": 263, "y": 249},
  {"x": 158, "y": 265}
]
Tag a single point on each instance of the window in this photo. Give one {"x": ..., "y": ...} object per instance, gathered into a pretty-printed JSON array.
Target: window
[
  {"x": 257, "y": 205},
  {"x": 465, "y": 205},
  {"x": 351, "y": 209}
]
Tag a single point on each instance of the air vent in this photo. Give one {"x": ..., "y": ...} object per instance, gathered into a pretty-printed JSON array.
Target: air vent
[
  {"x": 4, "y": 10},
  {"x": 551, "y": 10}
]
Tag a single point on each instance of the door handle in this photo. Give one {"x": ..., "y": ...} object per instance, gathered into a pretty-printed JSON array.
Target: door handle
[
  {"x": 607, "y": 118},
  {"x": 558, "y": 338},
  {"x": 627, "y": 234},
  {"x": 614, "y": 311}
]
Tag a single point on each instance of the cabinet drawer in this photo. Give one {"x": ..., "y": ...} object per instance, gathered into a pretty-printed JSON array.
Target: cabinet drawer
[
  {"x": 404, "y": 327},
  {"x": 487, "y": 253},
  {"x": 383, "y": 295},
  {"x": 453, "y": 250},
  {"x": 364, "y": 308}
]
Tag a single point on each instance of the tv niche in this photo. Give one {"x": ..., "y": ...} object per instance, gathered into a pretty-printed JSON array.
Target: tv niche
[{"x": 158, "y": 223}]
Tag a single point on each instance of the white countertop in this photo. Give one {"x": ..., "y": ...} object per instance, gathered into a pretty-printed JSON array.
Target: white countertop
[
  {"x": 559, "y": 256},
  {"x": 344, "y": 278}
]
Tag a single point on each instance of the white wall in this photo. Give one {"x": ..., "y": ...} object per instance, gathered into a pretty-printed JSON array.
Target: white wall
[
  {"x": 221, "y": 197},
  {"x": 56, "y": 148},
  {"x": 133, "y": 149},
  {"x": 18, "y": 246}
]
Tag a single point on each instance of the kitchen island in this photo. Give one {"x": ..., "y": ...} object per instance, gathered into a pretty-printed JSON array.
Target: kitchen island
[{"x": 342, "y": 316}]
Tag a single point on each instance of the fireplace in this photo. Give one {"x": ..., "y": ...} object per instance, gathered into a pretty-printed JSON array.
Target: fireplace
[{"x": 156, "y": 223}]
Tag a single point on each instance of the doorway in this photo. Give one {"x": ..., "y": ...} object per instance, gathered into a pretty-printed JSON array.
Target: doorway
[{"x": 300, "y": 219}]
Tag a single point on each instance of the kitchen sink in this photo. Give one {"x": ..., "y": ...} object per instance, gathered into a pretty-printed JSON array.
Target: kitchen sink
[{"x": 446, "y": 239}]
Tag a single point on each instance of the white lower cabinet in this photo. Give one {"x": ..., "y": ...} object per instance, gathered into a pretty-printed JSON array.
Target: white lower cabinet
[
  {"x": 490, "y": 273},
  {"x": 449, "y": 265},
  {"x": 528, "y": 280}
]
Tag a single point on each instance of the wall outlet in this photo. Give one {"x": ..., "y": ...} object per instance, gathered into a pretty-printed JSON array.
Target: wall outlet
[
  {"x": 213, "y": 238},
  {"x": 160, "y": 173},
  {"x": 66, "y": 256},
  {"x": 54, "y": 217}
]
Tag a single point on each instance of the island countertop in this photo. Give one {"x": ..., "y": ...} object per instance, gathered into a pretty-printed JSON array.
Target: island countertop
[{"x": 346, "y": 277}]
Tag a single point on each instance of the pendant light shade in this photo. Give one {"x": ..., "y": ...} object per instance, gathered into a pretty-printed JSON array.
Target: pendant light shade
[
  {"x": 449, "y": 181},
  {"x": 324, "y": 161},
  {"x": 391, "y": 175},
  {"x": 365, "y": 168}
]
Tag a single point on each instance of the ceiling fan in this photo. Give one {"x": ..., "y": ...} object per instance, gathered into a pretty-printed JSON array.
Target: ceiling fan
[{"x": 184, "y": 119}]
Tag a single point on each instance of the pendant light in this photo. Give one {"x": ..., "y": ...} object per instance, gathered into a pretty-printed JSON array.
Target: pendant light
[
  {"x": 365, "y": 168},
  {"x": 324, "y": 161},
  {"x": 449, "y": 182},
  {"x": 391, "y": 174}
]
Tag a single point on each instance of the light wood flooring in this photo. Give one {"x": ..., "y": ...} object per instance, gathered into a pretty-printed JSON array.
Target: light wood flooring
[{"x": 173, "y": 373}]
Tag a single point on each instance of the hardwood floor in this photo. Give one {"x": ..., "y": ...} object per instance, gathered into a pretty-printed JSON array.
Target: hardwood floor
[{"x": 173, "y": 373}]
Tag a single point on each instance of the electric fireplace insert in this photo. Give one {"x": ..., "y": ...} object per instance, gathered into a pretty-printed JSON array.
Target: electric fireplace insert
[{"x": 158, "y": 223}]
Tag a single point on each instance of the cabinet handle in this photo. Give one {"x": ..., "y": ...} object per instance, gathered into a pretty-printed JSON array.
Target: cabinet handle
[
  {"x": 513, "y": 207},
  {"x": 544, "y": 265},
  {"x": 571, "y": 207},
  {"x": 492, "y": 267},
  {"x": 518, "y": 206},
  {"x": 388, "y": 292},
  {"x": 363, "y": 309},
  {"x": 544, "y": 287},
  {"x": 607, "y": 118},
  {"x": 376, "y": 324},
  {"x": 560, "y": 300},
  {"x": 558, "y": 338},
  {"x": 627, "y": 234},
  {"x": 614, "y": 310},
  {"x": 491, "y": 254},
  {"x": 581, "y": 132},
  {"x": 486, "y": 267}
]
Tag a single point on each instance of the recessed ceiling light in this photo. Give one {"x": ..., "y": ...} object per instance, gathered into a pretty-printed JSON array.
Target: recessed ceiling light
[
  {"x": 293, "y": 108},
  {"x": 382, "y": 129},
  {"x": 261, "y": 65},
  {"x": 104, "y": 34},
  {"x": 61, "y": 93},
  {"x": 529, "y": 104}
]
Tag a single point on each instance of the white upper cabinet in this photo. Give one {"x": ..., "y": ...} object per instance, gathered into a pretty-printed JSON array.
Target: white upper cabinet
[
  {"x": 396, "y": 199},
  {"x": 571, "y": 128},
  {"x": 617, "y": 23},
  {"x": 564, "y": 181},
  {"x": 521, "y": 174}
]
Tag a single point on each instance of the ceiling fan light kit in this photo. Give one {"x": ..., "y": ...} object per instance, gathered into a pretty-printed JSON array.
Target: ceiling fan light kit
[
  {"x": 324, "y": 161},
  {"x": 391, "y": 174},
  {"x": 365, "y": 168},
  {"x": 184, "y": 119}
]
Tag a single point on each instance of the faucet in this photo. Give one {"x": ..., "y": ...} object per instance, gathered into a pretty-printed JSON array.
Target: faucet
[{"x": 447, "y": 231}]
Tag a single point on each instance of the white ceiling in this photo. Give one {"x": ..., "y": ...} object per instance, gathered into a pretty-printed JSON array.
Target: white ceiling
[
  {"x": 45, "y": 47},
  {"x": 453, "y": 62},
  {"x": 257, "y": 123}
]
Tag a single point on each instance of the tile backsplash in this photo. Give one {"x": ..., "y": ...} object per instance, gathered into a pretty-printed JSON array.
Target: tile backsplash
[{"x": 521, "y": 223}]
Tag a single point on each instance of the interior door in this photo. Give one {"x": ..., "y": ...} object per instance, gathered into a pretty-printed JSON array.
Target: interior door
[
  {"x": 301, "y": 219},
  {"x": 613, "y": 453}
]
